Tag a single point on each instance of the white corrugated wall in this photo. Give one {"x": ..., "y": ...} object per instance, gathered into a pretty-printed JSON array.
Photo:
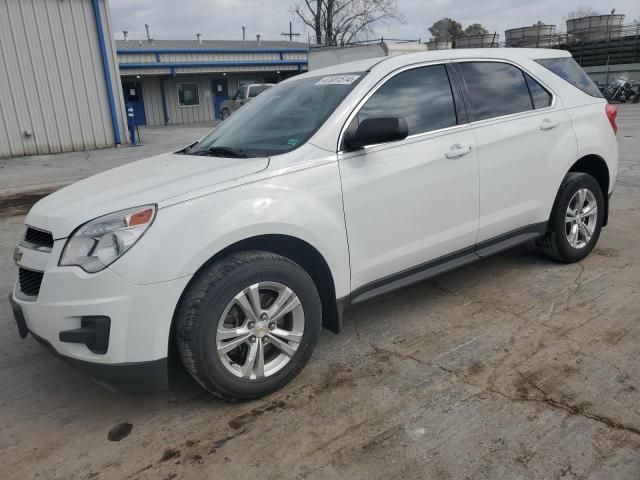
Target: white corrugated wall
[
  {"x": 152, "y": 97},
  {"x": 53, "y": 92}
]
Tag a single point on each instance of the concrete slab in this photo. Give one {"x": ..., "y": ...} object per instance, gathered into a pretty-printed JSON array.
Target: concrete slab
[
  {"x": 511, "y": 368},
  {"x": 46, "y": 173}
]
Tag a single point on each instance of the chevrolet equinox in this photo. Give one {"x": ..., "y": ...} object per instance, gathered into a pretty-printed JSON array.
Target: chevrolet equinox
[{"x": 329, "y": 189}]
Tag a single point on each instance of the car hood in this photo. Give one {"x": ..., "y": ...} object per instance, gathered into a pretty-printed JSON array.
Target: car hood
[{"x": 147, "y": 181}]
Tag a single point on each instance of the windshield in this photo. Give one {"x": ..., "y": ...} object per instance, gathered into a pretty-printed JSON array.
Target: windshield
[{"x": 278, "y": 120}]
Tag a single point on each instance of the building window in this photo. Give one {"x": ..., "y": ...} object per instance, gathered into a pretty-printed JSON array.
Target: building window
[{"x": 188, "y": 94}]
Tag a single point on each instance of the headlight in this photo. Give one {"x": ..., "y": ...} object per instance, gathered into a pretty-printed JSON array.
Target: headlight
[{"x": 100, "y": 242}]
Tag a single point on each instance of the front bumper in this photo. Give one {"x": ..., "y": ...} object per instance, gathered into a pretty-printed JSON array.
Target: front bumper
[
  {"x": 139, "y": 321},
  {"x": 125, "y": 377}
]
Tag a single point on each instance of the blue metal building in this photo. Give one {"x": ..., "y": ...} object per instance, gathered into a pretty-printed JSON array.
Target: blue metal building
[{"x": 184, "y": 81}]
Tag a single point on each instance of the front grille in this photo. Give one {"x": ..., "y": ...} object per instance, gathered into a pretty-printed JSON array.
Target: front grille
[
  {"x": 38, "y": 238},
  {"x": 30, "y": 281}
]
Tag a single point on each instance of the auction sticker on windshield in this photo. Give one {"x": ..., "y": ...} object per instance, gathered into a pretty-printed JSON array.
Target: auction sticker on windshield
[{"x": 338, "y": 80}]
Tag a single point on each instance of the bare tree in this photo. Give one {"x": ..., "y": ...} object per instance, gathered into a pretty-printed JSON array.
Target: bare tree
[
  {"x": 582, "y": 12},
  {"x": 338, "y": 22}
]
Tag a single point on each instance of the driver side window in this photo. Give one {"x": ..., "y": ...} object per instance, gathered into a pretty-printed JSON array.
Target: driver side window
[{"x": 421, "y": 95}]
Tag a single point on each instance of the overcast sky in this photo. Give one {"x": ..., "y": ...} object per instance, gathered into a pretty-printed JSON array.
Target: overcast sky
[{"x": 222, "y": 19}]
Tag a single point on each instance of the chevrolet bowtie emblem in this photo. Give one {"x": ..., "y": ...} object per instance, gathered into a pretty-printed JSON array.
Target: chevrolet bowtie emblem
[{"x": 17, "y": 255}]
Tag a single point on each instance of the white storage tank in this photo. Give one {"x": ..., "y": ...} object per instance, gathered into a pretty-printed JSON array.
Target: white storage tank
[
  {"x": 541, "y": 36},
  {"x": 597, "y": 27},
  {"x": 486, "y": 40}
]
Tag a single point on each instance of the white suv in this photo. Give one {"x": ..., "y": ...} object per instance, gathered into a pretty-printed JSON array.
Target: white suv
[{"x": 327, "y": 190}]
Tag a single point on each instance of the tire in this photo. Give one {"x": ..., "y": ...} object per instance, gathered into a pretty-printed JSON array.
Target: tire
[
  {"x": 215, "y": 292},
  {"x": 225, "y": 113},
  {"x": 558, "y": 243}
]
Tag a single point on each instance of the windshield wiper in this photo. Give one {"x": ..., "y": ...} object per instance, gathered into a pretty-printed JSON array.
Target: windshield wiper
[
  {"x": 188, "y": 148},
  {"x": 224, "y": 151}
]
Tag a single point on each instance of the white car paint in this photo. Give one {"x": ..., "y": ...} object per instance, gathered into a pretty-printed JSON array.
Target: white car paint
[
  {"x": 392, "y": 229},
  {"x": 370, "y": 214}
]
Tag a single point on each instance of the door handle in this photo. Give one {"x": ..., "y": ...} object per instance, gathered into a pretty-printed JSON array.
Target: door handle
[
  {"x": 457, "y": 151},
  {"x": 548, "y": 124}
]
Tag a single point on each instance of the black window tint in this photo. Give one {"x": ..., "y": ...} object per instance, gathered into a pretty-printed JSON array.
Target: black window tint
[
  {"x": 567, "y": 69},
  {"x": 541, "y": 98},
  {"x": 422, "y": 96},
  {"x": 495, "y": 89}
]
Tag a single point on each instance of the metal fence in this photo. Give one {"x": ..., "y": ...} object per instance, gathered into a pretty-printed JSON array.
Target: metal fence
[{"x": 602, "y": 46}]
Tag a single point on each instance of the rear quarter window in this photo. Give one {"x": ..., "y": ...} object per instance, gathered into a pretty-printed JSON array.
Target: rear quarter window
[
  {"x": 539, "y": 95},
  {"x": 567, "y": 69}
]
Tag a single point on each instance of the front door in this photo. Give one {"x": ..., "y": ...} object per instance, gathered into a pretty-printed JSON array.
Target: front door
[
  {"x": 133, "y": 95},
  {"x": 220, "y": 94},
  {"x": 411, "y": 202}
]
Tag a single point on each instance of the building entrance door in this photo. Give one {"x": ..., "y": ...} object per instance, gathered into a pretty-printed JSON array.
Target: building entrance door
[{"x": 220, "y": 93}]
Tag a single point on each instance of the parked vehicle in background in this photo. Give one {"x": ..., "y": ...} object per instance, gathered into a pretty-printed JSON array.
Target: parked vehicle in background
[
  {"x": 242, "y": 96},
  {"x": 332, "y": 188},
  {"x": 621, "y": 90}
]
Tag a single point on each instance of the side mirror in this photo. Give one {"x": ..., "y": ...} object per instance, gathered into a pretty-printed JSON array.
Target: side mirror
[{"x": 376, "y": 130}]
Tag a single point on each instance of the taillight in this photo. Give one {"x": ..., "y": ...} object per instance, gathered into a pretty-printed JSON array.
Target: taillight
[{"x": 612, "y": 113}]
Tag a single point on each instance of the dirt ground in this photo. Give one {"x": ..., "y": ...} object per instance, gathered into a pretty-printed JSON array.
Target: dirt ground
[{"x": 512, "y": 368}]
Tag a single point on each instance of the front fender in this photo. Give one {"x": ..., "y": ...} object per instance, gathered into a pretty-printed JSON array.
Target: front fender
[{"x": 305, "y": 204}]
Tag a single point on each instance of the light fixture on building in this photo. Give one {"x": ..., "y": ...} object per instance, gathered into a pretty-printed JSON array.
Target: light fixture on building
[
  {"x": 137, "y": 76},
  {"x": 224, "y": 74}
]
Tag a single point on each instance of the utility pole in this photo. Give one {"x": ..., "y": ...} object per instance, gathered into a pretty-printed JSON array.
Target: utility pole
[{"x": 290, "y": 34}]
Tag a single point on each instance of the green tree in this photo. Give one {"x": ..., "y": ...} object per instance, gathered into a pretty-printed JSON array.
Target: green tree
[
  {"x": 445, "y": 29},
  {"x": 475, "y": 29}
]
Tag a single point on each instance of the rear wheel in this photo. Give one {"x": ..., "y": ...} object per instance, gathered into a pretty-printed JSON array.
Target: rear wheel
[
  {"x": 248, "y": 324},
  {"x": 576, "y": 219}
]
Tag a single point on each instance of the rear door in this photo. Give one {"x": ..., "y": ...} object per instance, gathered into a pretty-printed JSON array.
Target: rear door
[
  {"x": 410, "y": 202},
  {"x": 523, "y": 134}
]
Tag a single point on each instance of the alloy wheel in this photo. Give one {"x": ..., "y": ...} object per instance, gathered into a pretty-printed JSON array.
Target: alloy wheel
[
  {"x": 260, "y": 330},
  {"x": 581, "y": 218}
]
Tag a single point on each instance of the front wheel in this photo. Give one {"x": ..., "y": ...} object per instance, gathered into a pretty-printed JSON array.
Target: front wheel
[
  {"x": 576, "y": 219},
  {"x": 225, "y": 113},
  {"x": 248, "y": 324}
]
